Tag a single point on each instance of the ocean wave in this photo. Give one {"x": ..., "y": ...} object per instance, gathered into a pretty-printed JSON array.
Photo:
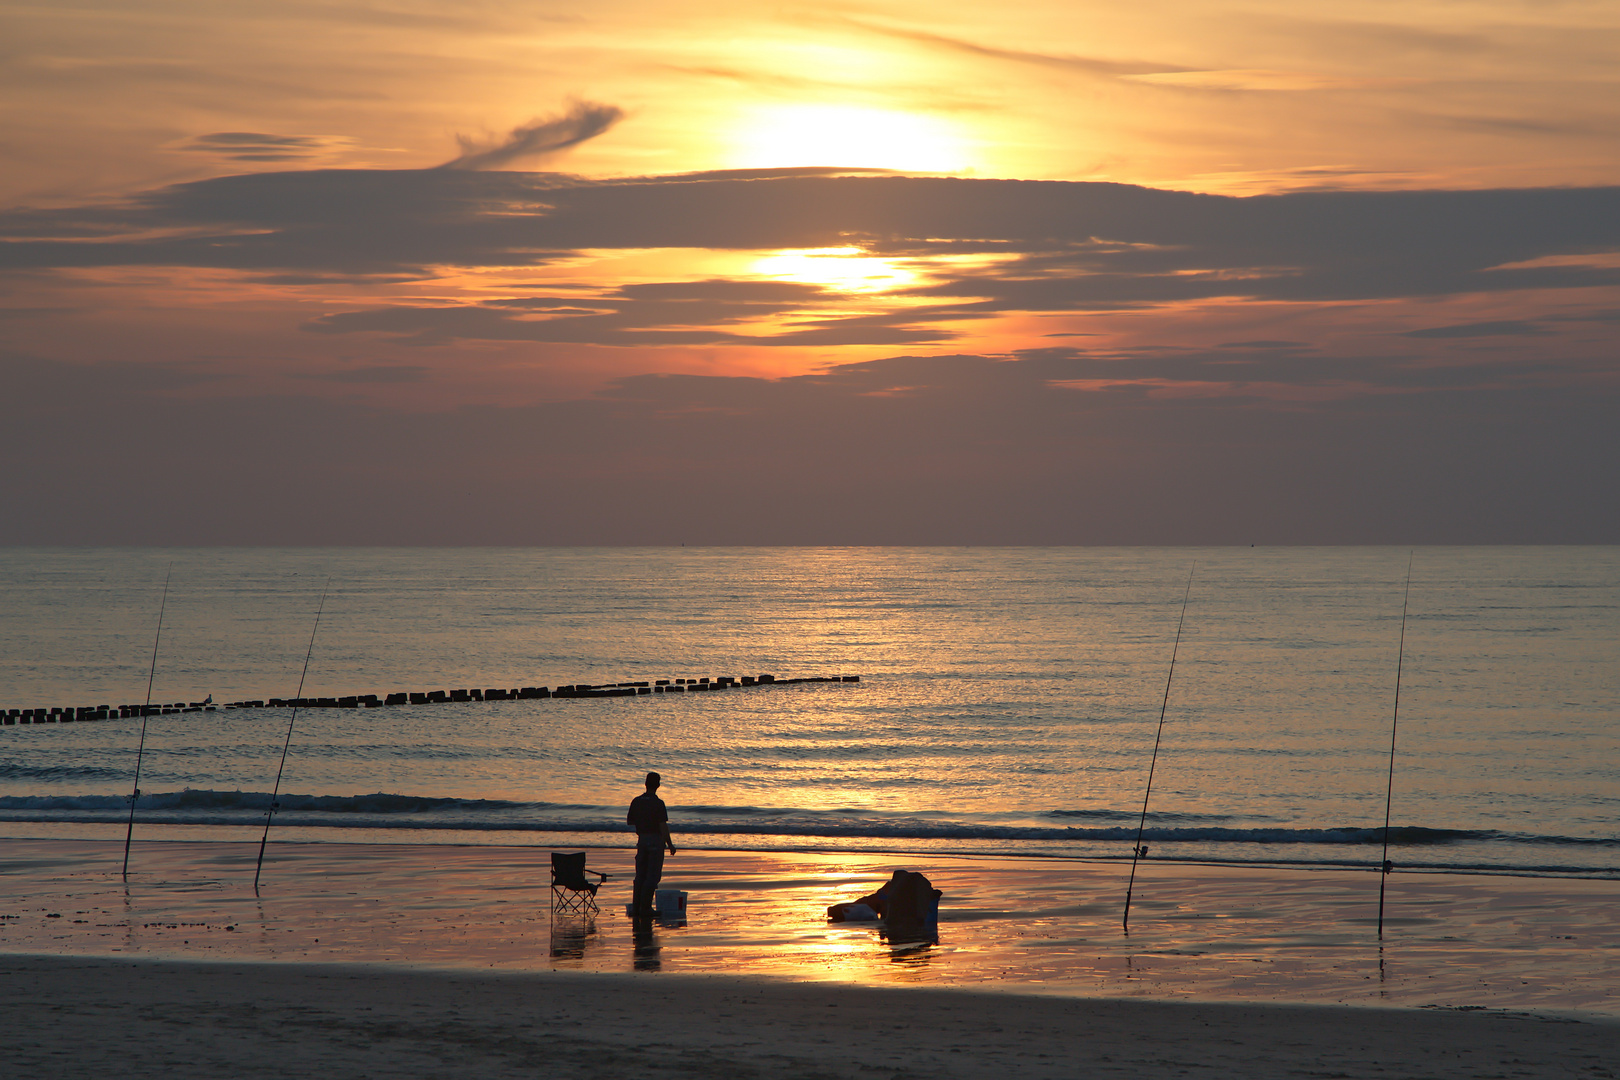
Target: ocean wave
[
  {"x": 11, "y": 770},
  {"x": 1132, "y": 815},
  {"x": 383, "y": 810},
  {"x": 922, "y": 830},
  {"x": 190, "y": 799}
]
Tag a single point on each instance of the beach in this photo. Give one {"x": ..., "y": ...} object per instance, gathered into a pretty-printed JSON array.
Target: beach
[
  {"x": 997, "y": 742},
  {"x": 148, "y": 1018},
  {"x": 362, "y": 960}
]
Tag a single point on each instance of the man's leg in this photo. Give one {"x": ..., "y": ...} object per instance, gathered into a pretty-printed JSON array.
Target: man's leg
[
  {"x": 649, "y": 871},
  {"x": 639, "y": 894}
]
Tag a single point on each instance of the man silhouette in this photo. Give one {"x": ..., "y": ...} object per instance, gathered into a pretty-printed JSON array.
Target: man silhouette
[{"x": 650, "y": 818}]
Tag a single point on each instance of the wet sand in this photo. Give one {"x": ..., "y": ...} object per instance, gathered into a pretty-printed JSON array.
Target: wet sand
[
  {"x": 414, "y": 960},
  {"x": 1039, "y": 925}
]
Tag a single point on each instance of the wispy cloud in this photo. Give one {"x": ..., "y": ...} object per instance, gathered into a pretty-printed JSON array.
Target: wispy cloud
[
  {"x": 1495, "y": 328},
  {"x": 538, "y": 138},
  {"x": 1261, "y": 79},
  {"x": 259, "y": 146},
  {"x": 760, "y": 313},
  {"x": 1086, "y": 65}
]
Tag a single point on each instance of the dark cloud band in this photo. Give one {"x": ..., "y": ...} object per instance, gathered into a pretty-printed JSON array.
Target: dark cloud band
[
  {"x": 1042, "y": 247},
  {"x": 1065, "y": 241}
]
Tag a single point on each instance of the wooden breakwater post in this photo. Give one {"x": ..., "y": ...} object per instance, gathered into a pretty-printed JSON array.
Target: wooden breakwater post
[{"x": 633, "y": 688}]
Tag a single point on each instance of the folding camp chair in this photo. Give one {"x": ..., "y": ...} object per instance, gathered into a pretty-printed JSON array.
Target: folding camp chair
[{"x": 571, "y": 894}]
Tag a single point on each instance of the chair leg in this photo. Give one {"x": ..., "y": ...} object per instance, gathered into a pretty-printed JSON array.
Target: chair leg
[{"x": 571, "y": 902}]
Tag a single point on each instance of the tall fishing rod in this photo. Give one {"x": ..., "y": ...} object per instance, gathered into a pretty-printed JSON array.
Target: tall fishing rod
[
  {"x": 1137, "y": 850},
  {"x": 275, "y": 791},
  {"x": 1384, "y": 865},
  {"x": 140, "y": 749}
]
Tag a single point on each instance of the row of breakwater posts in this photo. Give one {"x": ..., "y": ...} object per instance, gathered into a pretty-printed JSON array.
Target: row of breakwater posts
[{"x": 87, "y": 713}]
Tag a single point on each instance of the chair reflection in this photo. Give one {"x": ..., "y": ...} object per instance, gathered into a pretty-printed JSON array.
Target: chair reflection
[{"x": 569, "y": 937}]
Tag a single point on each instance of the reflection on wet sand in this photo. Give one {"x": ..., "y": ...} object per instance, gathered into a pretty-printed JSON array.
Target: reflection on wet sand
[
  {"x": 647, "y": 951},
  {"x": 1034, "y": 924},
  {"x": 908, "y": 949},
  {"x": 576, "y": 938},
  {"x": 570, "y": 936}
]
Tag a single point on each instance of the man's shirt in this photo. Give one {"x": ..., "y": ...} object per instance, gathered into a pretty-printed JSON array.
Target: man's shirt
[{"x": 647, "y": 814}]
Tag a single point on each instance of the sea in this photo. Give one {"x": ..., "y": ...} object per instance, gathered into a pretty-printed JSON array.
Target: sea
[{"x": 1009, "y": 700}]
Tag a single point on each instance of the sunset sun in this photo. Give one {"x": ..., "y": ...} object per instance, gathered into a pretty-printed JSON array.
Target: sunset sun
[
  {"x": 804, "y": 135},
  {"x": 846, "y": 269}
]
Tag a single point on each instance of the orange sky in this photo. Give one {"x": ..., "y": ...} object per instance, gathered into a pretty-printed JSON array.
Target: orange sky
[{"x": 423, "y": 208}]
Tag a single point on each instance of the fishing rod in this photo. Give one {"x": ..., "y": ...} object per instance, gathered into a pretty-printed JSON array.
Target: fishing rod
[
  {"x": 1137, "y": 850},
  {"x": 275, "y": 791},
  {"x": 140, "y": 749},
  {"x": 1385, "y": 866}
]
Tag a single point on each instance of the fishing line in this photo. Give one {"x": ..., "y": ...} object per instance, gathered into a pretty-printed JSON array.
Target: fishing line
[
  {"x": 275, "y": 791},
  {"x": 1137, "y": 850},
  {"x": 1385, "y": 866},
  {"x": 140, "y": 749}
]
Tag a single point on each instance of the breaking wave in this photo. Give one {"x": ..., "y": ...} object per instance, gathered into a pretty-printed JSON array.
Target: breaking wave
[{"x": 384, "y": 811}]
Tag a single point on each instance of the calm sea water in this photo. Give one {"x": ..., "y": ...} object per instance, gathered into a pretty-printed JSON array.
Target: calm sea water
[{"x": 1008, "y": 702}]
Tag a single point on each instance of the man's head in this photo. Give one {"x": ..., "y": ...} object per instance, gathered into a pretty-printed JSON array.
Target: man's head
[{"x": 653, "y": 780}]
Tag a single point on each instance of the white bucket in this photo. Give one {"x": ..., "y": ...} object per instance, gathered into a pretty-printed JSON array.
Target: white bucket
[{"x": 670, "y": 903}]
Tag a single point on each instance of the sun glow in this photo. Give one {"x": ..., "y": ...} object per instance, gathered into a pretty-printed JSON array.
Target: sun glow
[
  {"x": 800, "y": 135},
  {"x": 846, "y": 269}
]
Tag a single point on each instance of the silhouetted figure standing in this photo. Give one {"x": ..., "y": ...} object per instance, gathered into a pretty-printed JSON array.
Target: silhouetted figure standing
[{"x": 649, "y": 817}]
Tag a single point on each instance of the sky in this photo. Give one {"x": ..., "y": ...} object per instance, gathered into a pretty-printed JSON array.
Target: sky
[{"x": 643, "y": 272}]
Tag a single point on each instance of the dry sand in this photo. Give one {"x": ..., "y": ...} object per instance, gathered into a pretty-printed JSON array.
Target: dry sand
[
  {"x": 426, "y": 961},
  {"x": 112, "y": 1018}
]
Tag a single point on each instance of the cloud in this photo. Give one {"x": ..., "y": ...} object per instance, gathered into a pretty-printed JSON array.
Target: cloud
[
  {"x": 1084, "y": 65},
  {"x": 370, "y": 373},
  {"x": 1523, "y": 125},
  {"x": 1497, "y": 328},
  {"x": 1061, "y": 242},
  {"x": 1042, "y": 247},
  {"x": 1589, "y": 316},
  {"x": 259, "y": 146},
  {"x": 909, "y": 449},
  {"x": 1261, "y": 80},
  {"x": 645, "y": 314},
  {"x": 538, "y": 138}
]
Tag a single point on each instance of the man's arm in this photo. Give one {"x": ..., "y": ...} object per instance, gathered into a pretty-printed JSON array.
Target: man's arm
[{"x": 667, "y": 841}]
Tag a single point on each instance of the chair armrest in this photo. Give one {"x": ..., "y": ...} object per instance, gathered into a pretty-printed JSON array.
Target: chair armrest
[{"x": 598, "y": 873}]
